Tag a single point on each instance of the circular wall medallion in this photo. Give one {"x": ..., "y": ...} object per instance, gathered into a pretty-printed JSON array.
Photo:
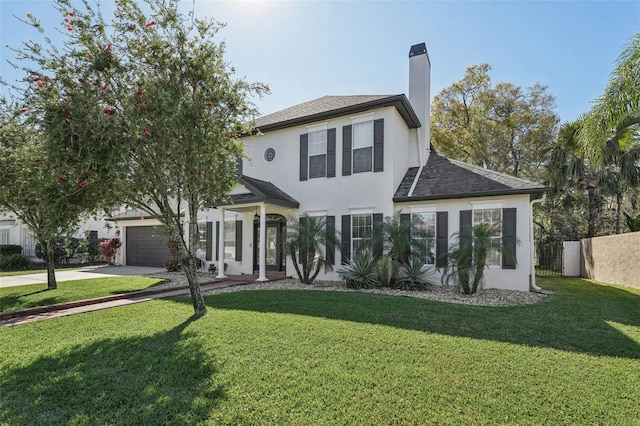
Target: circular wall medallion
[{"x": 269, "y": 155}]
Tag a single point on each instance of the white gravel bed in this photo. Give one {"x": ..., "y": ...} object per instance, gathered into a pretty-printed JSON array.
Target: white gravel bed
[{"x": 441, "y": 293}]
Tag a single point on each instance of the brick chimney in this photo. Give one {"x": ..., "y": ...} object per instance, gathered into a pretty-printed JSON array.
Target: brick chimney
[{"x": 420, "y": 95}]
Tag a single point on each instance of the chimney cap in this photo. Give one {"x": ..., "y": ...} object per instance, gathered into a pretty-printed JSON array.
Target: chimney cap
[{"x": 418, "y": 49}]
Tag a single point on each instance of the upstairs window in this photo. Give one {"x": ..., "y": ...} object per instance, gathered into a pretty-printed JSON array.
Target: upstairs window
[
  {"x": 317, "y": 154},
  {"x": 362, "y": 147}
]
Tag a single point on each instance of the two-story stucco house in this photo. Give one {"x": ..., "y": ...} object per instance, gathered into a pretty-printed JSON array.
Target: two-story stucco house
[{"x": 354, "y": 160}]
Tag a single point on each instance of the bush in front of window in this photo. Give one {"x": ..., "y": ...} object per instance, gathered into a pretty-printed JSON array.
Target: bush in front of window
[
  {"x": 9, "y": 249},
  {"x": 467, "y": 258},
  {"x": 14, "y": 262},
  {"x": 414, "y": 275},
  {"x": 361, "y": 271},
  {"x": 307, "y": 240}
]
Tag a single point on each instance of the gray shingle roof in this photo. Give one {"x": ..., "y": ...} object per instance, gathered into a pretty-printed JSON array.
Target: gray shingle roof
[
  {"x": 442, "y": 178},
  {"x": 261, "y": 191},
  {"x": 334, "y": 106}
]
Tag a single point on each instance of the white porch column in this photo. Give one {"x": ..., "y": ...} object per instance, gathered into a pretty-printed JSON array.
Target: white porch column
[
  {"x": 263, "y": 243},
  {"x": 221, "y": 246}
]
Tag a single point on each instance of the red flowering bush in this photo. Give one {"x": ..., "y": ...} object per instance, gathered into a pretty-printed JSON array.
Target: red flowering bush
[{"x": 109, "y": 248}]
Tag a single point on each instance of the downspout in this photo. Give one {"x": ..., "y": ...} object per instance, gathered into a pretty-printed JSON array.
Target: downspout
[{"x": 533, "y": 244}]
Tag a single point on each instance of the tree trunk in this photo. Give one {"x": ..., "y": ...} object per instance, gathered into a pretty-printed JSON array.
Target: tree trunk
[
  {"x": 189, "y": 263},
  {"x": 52, "y": 284}
]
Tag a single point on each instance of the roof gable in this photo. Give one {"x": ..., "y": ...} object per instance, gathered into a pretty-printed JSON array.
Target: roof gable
[{"x": 335, "y": 106}]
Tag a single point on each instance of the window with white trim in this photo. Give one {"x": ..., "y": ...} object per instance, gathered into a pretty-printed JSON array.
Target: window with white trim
[
  {"x": 361, "y": 229},
  {"x": 424, "y": 232},
  {"x": 229, "y": 240},
  {"x": 318, "y": 154},
  {"x": 362, "y": 146},
  {"x": 4, "y": 236},
  {"x": 201, "y": 241},
  {"x": 492, "y": 216}
]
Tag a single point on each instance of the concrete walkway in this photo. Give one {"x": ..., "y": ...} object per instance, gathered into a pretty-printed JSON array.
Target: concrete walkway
[{"x": 80, "y": 274}]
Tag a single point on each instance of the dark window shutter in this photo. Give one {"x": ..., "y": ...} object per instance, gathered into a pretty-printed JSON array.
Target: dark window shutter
[
  {"x": 377, "y": 235},
  {"x": 209, "y": 241},
  {"x": 239, "y": 240},
  {"x": 442, "y": 238},
  {"x": 304, "y": 156},
  {"x": 466, "y": 227},
  {"x": 378, "y": 145},
  {"x": 301, "y": 243},
  {"x": 405, "y": 220},
  {"x": 331, "y": 153},
  {"x": 238, "y": 166},
  {"x": 509, "y": 238},
  {"x": 217, "y": 240},
  {"x": 346, "y": 151},
  {"x": 346, "y": 239},
  {"x": 330, "y": 238}
]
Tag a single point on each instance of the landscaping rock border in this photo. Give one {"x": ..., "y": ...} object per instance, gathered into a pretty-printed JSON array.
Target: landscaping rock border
[{"x": 440, "y": 293}]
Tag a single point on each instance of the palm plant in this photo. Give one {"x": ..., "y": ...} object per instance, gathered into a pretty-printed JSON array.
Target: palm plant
[
  {"x": 307, "y": 241},
  {"x": 467, "y": 259}
]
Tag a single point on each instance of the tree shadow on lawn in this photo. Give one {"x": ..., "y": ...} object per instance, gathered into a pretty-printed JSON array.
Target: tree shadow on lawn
[
  {"x": 160, "y": 379},
  {"x": 575, "y": 320}
]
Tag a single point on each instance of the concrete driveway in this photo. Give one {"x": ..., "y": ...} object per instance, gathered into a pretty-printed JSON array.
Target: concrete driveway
[{"x": 80, "y": 274}]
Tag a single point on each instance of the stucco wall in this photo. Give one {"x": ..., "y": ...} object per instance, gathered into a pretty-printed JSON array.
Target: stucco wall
[{"x": 612, "y": 259}]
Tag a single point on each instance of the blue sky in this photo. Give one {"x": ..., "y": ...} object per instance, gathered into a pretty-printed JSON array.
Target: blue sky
[{"x": 305, "y": 50}]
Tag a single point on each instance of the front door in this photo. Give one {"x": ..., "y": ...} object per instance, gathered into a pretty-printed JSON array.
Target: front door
[{"x": 274, "y": 247}]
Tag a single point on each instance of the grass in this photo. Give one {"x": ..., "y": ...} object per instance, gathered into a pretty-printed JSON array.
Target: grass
[
  {"x": 29, "y": 296},
  {"x": 312, "y": 357}
]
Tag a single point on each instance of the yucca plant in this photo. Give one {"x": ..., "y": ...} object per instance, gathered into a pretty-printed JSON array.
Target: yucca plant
[
  {"x": 414, "y": 275},
  {"x": 361, "y": 270}
]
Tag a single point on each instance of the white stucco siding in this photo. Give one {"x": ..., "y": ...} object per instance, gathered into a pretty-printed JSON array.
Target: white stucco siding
[
  {"x": 316, "y": 193},
  {"x": 494, "y": 276}
]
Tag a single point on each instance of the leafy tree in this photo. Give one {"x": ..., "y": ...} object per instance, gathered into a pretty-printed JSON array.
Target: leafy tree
[
  {"x": 502, "y": 127},
  {"x": 150, "y": 103},
  {"x": 307, "y": 240},
  {"x": 46, "y": 197}
]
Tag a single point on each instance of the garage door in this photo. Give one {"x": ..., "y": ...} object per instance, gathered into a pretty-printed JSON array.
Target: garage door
[{"x": 146, "y": 246}]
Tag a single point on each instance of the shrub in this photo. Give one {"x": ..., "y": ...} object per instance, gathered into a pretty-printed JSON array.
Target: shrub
[
  {"x": 9, "y": 249},
  {"x": 14, "y": 262},
  {"x": 414, "y": 275},
  {"x": 385, "y": 271},
  {"x": 172, "y": 264},
  {"x": 360, "y": 271},
  {"x": 64, "y": 249},
  {"x": 213, "y": 268},
  {"x": 109, "y": 248}
]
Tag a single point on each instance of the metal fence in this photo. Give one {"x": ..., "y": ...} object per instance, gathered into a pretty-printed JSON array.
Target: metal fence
[{"x": 549, "y": 258}]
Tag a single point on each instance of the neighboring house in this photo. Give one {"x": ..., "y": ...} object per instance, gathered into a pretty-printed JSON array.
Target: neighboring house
[
  {"x": 354, "y": 160},
  {"x": 13, "y": 231}
]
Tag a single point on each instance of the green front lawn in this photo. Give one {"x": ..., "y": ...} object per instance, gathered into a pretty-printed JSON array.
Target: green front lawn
[
  {"x": 35, "y": 271},
  {"x": 313, "y": 357},
  {"x": 29, "y": 296}
]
